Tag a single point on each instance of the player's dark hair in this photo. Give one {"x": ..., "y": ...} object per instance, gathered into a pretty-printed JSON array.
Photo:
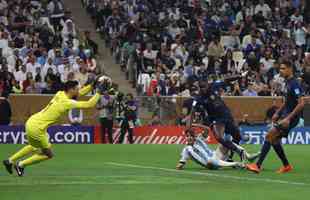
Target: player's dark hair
[
  {"x": 190, "y": 132},
  {"x": 70, "y": 85},
  {"x": 287, "y": 63}
]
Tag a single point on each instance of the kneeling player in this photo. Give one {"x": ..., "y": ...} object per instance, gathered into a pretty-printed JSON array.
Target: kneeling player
[{"x": 198, "y": 150}]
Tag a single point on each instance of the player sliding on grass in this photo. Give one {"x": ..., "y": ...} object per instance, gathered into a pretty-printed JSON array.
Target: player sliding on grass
[
  {"x": 37, "y": 124},
  {"x": 285, "y": 119},
  {"x": 198, "y": 150}
]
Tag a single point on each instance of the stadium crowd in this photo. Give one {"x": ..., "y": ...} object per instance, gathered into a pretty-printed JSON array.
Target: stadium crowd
[
  {"x": 40, "y": 47},
  {"x": 167, "y": 46}
]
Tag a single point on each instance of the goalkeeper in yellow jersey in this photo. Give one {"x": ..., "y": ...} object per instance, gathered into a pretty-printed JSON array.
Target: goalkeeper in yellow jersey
[{"x": 38, "y": 148}]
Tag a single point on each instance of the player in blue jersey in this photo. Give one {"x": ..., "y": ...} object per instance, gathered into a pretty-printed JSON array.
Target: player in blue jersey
[
  {"x": 284, "y": 120},
  {"x": 220, "y": 118}
]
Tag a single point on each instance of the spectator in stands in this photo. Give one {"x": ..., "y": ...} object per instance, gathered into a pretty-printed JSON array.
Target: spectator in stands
[
  {"x": 265, "y": 91},
  {"x": 39, "y": 84},
  {"x": 263, "y": 8},
  {"x": 68, "y": 32},
  {"x": 89, "y": 43},
  {"x": 29, "y": 44},
  {"x": 82, "y": 75},
  {"x": 250, "y": 91},
  {"x": 91, "y": 63},
  {"x": 228, "y": 64},
  {"x": 155, "y": 121},
  {"x": 215, "y": 48},
  {"x": 236, "y": 89},
  {"x": 57, "y": 11},
  {"x": 28, "y": 84},
  {"x": 5, "y": 107}
]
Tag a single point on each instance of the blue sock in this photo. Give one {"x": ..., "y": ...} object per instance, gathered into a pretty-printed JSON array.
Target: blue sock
[
  {"x": 264, "y": 151},
  {"x": 280, "y": 152}
]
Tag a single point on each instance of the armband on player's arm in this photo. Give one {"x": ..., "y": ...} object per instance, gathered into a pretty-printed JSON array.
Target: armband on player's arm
[
  {"x": 87, "y": 104},
  {"x": 85, "y": 90}
]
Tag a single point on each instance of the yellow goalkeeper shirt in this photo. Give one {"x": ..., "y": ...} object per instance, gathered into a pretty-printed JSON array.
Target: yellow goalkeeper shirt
[{"x": 59, "y": 105}]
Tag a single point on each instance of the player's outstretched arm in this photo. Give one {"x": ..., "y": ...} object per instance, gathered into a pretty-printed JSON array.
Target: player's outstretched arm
[
  {"x": 85, "y": 90},
  {"x": 91, "y": 84},
  {"x": 85, "y": 104}
]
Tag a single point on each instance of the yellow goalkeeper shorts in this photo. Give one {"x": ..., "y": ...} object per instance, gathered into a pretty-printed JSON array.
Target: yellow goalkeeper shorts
[{"x": 37, "y": 137}]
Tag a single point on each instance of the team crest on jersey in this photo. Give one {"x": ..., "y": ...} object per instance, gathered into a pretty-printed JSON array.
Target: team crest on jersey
[{"x": 297, "y": 91}]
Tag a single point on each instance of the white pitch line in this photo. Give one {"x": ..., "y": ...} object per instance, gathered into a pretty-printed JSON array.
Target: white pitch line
[
  {"x": 79, "y": 176},
  {"x": 107, "y": 183},
  {"x": 267, "y": 180}
]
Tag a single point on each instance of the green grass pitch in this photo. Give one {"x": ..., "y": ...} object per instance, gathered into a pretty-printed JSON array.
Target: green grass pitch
[{"x": 146, "y": 172}]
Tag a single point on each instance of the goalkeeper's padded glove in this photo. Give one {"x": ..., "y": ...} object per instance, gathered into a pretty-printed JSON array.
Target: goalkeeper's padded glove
[{"x": 100, "y": 88}]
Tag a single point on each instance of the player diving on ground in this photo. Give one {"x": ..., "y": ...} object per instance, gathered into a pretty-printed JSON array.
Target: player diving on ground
[
  {"x": 199, "y": 151},
  {"x": 39, "y": 148}
]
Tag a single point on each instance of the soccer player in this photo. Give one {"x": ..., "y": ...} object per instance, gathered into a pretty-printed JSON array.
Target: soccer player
[
  {"x": 285, "y": 119},
  {"x": 198, "y": 150},
  {"x": 37, "y": 124},
  {"x": 220, "y": 118}
]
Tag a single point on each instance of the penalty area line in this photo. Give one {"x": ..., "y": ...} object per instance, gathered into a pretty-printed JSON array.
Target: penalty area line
[{"x": 208, "y": 174}]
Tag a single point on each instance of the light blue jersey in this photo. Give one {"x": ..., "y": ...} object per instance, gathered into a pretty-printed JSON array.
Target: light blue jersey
[{"x": 199, "y": 152}]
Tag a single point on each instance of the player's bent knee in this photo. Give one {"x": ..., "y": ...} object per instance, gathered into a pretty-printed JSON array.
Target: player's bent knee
[
  {"x": 273, "y": 138},
  {"x": 48, "y": 153},
  {"x": 51, "y": 155},
  {"x": 271, "y": 135}
]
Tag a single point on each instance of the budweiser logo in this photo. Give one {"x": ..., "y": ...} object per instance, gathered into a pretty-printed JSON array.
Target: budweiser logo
[{"x": 155, "y": 137}]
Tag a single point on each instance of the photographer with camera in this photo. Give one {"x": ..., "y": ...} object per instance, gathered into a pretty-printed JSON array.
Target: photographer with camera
[
  {"x": 129, "y": 120},
  {"x": 105, "y": 107}
]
